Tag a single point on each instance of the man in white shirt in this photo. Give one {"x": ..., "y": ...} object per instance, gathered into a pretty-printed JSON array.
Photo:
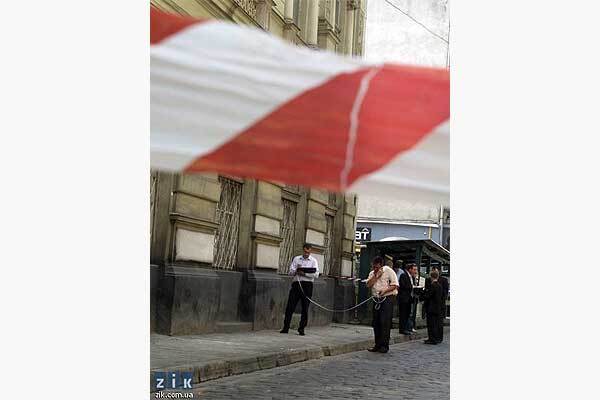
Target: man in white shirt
[
  {"x": 304, "y": 269},
  {"x": 384, "y": 287}
]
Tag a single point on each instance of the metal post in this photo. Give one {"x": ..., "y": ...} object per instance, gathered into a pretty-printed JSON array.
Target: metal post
[
  {"x": 418, "y": 255},
  {"x": 441, "y": 225},
  {"x": 429, "y": 266},
  {"x": 366, "y": 255}
]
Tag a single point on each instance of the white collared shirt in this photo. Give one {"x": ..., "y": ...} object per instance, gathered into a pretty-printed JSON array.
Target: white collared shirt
[
  {"x": 399, "y": 273},
  {"x": 388, "y": 277},
  {"x": 310, "y": 262}
]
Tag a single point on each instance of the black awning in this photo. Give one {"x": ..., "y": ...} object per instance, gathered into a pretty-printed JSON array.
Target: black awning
[{"x": 430, "y": 252}]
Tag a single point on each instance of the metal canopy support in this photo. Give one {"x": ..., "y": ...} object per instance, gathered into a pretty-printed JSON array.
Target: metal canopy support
[
  {"x": 429, "y": 266},
  {"x": 424, "y": 253},
  {"x": 435, "y": 256},
  {"x": 367, "y": 254},
  {"x": 418, "y": 255}
]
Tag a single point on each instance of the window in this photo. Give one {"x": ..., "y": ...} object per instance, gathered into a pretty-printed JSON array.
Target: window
[
  {"x": 287, "y": 232},
  {"x": 228, "y": 218},
  {"x": 328, "y": 256}
]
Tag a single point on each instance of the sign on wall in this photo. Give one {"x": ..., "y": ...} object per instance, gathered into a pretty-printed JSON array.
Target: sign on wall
[{"x": 362, "y": 234}]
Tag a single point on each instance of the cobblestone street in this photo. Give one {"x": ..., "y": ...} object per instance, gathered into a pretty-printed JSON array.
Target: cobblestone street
[{"x": 411, "y": 370}]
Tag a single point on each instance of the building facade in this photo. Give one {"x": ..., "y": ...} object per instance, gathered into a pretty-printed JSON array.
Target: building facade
[
  {"x": 333, "y": 25},
  {"x": 394, "y": 219},
  {"x": 221, "y": 246}
]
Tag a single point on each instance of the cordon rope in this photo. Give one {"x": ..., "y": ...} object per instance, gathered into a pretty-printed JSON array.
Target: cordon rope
[{"x": 377, "y": 300}]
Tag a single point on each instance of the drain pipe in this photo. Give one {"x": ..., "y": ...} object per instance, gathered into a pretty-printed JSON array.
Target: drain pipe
[{"x": 441, "y": 225}]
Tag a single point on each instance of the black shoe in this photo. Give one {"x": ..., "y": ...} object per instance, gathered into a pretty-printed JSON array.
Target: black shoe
[
  {"x": 430, "y": 342},
  {"x": 283, "y": 330},
  {"x": 301, "y": 333},
  {"x": 383, "y": 350},
  {"x": 373, "y": 349}
]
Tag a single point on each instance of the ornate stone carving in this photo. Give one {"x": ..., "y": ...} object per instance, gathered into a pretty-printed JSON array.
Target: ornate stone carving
[{"x": 247, "y": 5}]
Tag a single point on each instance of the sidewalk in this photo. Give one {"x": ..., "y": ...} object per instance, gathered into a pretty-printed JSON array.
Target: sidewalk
[{"x": 215, "y": 356}]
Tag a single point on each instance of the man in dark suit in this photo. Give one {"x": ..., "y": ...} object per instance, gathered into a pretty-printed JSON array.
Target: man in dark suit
[
  {"x": 405, "y": 287},
  {"x": 433, "y": 307},
  {"x": 443, "y": 281}
]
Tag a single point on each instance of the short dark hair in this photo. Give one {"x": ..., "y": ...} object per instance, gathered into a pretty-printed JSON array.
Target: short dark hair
[
  {"x": 434, "y": 274},
  {"x": 307, "y": 246},
  {"x": 436, "y": 267},
  {"x": 410, "y": 265},
  {"x": 378, "y": 260}
]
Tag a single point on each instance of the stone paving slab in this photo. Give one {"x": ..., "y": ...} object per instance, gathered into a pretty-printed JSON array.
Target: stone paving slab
[
  {"x": 410, "y": 371},
  {"x": 214, "y": 356}
]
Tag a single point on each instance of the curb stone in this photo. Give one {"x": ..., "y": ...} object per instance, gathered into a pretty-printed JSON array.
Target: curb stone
[{"x": 223, "y": 368}]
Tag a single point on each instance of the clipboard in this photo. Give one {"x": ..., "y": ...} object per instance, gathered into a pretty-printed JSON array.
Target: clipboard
[{"x": 307, "y": 270}]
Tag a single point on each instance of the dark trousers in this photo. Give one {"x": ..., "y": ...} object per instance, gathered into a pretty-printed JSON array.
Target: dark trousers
[
  {"x": 412, "y": 320},
  {"x": 295, "y": 296},
  {"x": 382, "y": 322},
  {"x": 435, "y": 328},
  {"x": 441, "y": 325},
  {"x": 404, "y": 311}
]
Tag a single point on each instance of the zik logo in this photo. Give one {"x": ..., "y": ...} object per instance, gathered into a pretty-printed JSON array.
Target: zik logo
[{"x": 173, "y": 380}]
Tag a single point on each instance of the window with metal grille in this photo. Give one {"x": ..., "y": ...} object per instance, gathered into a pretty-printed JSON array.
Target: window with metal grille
[
  {"x": 328, "y": 256},
  {"x": 228, "y": 218},
  {"x": 287, "y": 232}
]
